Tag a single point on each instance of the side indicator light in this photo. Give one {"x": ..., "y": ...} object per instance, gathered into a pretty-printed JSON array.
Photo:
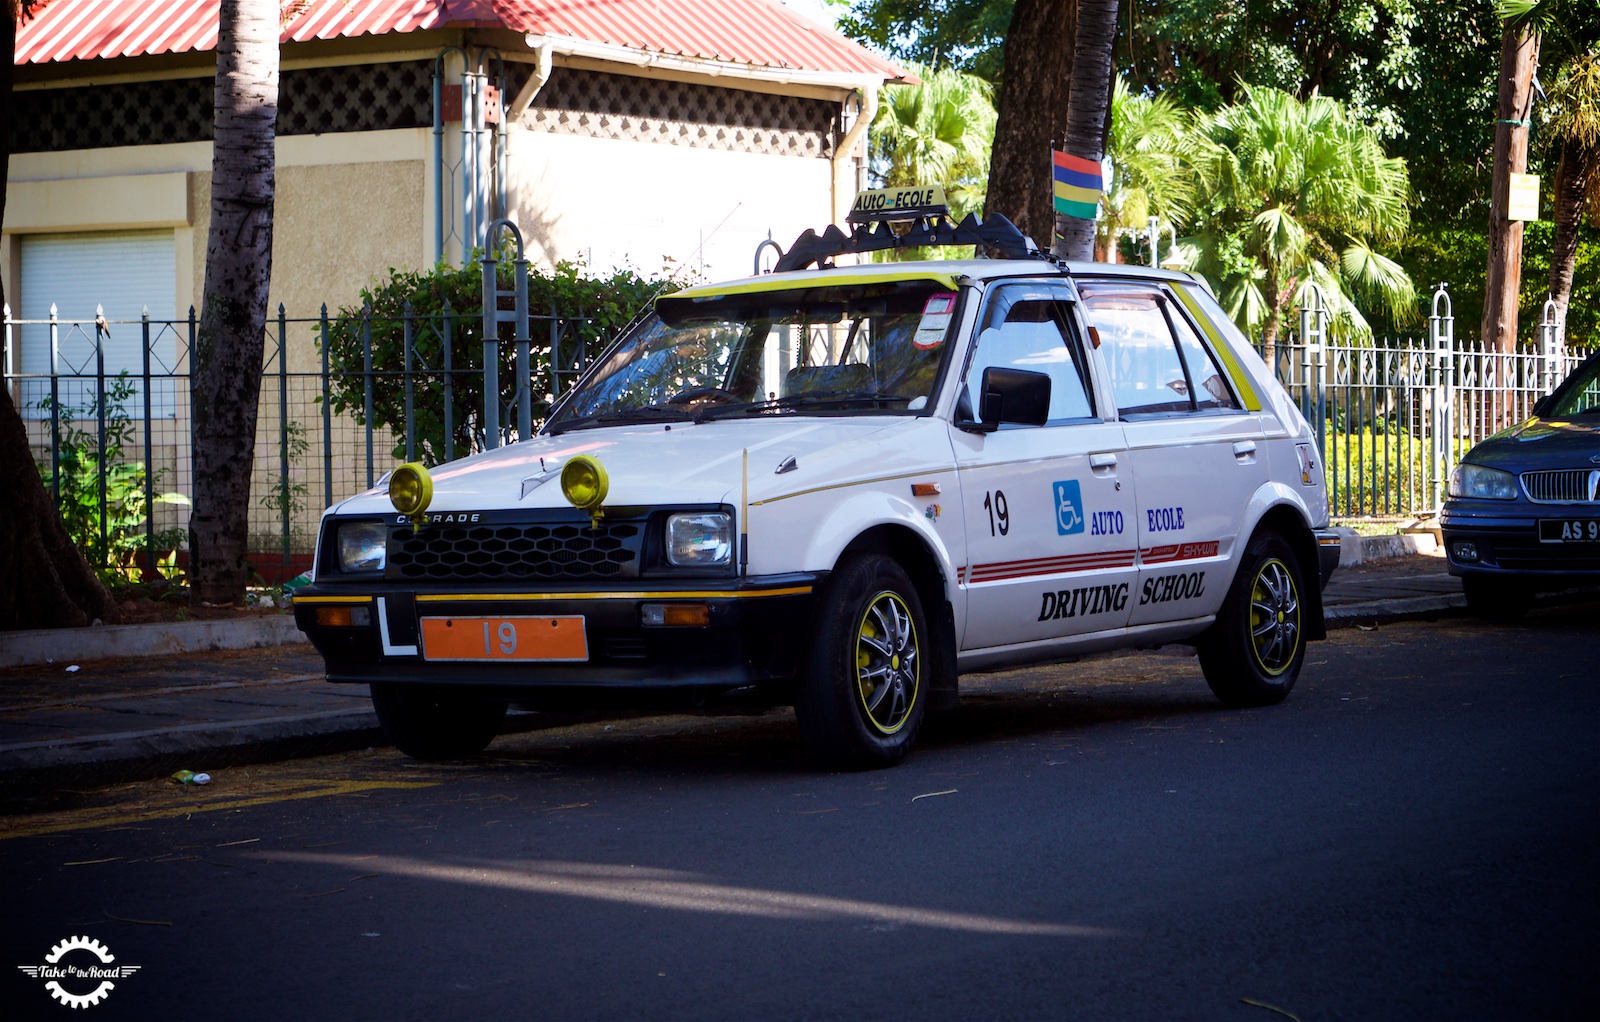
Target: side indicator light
[
  {"x": 344, "y": 617},
  {"x": 926, "y": 489},
  {"x": 675, "y": 615}
]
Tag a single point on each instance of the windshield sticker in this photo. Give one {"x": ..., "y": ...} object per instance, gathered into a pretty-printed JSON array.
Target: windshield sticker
[
  {"x": 935, "y": 323},
  {"x": 1069, "y": 507}
]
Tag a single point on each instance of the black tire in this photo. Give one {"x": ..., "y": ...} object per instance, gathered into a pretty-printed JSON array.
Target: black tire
[
  {"x": 863, "y": 696},
  {"x": 436, "y": 722},
  {"x": 1251, "y": 654},
  {"x": 1496, "y": 599}
]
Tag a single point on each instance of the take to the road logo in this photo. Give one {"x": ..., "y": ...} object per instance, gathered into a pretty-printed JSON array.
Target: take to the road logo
[
  {"x": 1069, "y": 507},
  {"x": 79, "y": 972}
]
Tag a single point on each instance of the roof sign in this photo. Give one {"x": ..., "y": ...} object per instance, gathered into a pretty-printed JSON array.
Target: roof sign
[{"x": 899, "y": 204}]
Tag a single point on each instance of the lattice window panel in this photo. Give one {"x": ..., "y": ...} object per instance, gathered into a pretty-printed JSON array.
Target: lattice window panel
[
  {"x": 364, "y": 97},
  {"x": 624, "y": 107}
]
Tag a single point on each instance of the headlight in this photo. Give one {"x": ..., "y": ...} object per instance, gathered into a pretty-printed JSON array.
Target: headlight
[
  {"x": 700, "y": 539},
  {"x": 1483, "y": 483},
  {"x": 362, "y": 546}
]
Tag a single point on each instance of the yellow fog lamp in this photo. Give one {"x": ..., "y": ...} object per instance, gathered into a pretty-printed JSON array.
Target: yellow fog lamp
[
  {"x": 584, "y": 483},
  {"x": 411, "y": 490}
]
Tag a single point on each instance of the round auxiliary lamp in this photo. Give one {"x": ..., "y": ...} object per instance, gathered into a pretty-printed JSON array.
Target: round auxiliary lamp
[
  {"x": 584, "y": 484},
  {"x": 411, "y": 491}
]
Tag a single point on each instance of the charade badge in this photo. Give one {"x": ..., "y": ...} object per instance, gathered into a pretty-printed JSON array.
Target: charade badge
[{"x": 79, "y": 964}]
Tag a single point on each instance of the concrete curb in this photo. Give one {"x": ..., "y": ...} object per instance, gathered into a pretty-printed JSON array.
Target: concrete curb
[
  {"x": 54, "y": 645},
  {"x": 1357, "y": 549}
]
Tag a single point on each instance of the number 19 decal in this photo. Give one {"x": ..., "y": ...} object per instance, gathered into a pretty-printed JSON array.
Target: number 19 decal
[{"x": 999, "y": 512}]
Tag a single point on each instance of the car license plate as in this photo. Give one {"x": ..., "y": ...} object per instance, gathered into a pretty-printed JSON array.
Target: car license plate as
[
  {"x": 504, "y": 638},
  {"x": 1569, "y": 530}
]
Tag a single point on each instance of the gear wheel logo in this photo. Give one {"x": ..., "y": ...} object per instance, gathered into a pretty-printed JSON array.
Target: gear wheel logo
[{"x": 79, "y": 973}]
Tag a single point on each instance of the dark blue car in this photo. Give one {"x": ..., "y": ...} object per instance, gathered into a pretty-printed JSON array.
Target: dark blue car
[{"x": 1523, "y": 513}]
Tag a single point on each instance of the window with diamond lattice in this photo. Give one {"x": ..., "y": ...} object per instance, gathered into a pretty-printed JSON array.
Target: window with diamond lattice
[
  {"x": 629, "y": 108},
  {"x": 364, "y": 97}
]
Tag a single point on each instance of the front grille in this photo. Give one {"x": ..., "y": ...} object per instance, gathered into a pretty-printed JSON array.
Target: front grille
[
  {"x": 1562, "y": 486},
  {"x": 515, "y": 552}
]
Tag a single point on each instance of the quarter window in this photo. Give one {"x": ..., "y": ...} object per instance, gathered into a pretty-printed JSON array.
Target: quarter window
[{"x": 1157, "y": 363}]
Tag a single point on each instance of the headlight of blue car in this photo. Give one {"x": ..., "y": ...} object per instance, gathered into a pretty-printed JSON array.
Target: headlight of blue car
[
  {"x": 700, "y": 540},
  {"x": 1481, "y": 482},
  {"x": 362, "y": 546}
]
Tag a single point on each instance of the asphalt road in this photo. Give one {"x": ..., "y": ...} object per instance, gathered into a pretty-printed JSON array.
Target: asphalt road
[{"x": 1411, "y": 835}]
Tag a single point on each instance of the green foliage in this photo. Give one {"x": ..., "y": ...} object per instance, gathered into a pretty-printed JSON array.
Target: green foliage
[
  {"x": 967, "y": 35},
  {"x": 289, "y": 496},
  {"x": 111, "y": 543},
  {"x": 1303, "y": 193},
  {"x": 1151, "y": 147},
  {"x": 447, "y": 303}
]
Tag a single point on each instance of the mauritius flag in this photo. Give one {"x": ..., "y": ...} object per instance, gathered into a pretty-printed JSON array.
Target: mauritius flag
[{"x": 1078, "y": 185}]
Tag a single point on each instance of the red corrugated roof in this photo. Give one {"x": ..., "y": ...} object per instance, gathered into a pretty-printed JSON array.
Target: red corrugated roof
[{"x": 763, "y": 33}]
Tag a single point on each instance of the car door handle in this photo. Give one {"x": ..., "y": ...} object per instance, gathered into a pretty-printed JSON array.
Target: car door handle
[
  {"x": 1245, "y": 450},
  {"x": 1103, "y": 460}
]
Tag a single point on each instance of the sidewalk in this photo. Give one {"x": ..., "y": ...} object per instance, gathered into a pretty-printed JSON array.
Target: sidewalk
[{"x": 171, "y": 699}]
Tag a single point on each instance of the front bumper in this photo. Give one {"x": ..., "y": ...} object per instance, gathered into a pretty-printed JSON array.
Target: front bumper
[
  {"x": 1506, "y": 542},
  {"x": 756, "y": 635}
]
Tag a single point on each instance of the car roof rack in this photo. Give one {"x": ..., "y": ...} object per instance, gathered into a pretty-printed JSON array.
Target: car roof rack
[{"x": 936, "y": 229}]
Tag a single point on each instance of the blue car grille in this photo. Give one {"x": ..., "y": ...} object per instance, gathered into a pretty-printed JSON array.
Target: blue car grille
[
  {"x": 515, "y": 552},
  {"x": 1562, "y": 486}
]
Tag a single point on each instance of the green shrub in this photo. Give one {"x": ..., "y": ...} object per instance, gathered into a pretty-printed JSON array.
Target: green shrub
[
  {"x": 112, "y": 544},
  {"x": 447, "y": 301}
]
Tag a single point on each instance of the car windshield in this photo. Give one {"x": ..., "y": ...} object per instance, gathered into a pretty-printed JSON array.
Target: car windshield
[
  {"x": 1580, "y": 395},
  {"x": 862, "y": 348}
]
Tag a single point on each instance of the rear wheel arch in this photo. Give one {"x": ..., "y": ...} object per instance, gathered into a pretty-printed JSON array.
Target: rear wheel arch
[{"x": 1285, "y": 520}]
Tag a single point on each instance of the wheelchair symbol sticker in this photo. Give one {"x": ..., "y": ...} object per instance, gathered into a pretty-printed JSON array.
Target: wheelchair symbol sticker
[{"x": 1069, "y": 507}]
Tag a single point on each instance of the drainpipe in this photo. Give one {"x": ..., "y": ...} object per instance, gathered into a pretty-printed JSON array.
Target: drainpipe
[
  {"x": 544, "y": 54},
  {"x": 869, "y": 108}
]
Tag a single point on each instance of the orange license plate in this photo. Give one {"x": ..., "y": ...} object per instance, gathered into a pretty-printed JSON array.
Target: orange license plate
[{"x": 504, "y": 638}]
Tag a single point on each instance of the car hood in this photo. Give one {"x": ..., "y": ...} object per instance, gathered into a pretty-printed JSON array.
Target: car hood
[
  {"x": 1542, "y": 443},
  {"x": 656, "y": 464}
]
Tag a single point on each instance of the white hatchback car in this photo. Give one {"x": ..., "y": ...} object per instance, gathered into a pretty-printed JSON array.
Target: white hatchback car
[{"x": 840, "y": 488}]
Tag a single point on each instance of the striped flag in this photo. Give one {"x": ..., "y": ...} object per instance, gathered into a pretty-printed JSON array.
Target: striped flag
[{"x": 1078, "y": 185}]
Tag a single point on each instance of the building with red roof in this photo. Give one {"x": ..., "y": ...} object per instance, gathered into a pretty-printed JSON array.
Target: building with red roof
[{"x": 637, "y": 132}]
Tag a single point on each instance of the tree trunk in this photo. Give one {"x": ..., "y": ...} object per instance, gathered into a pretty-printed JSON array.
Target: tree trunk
[
  {"x": 1032, "y": 114},
  {"x": 1088, "y": 111},
  {"x": 1574, "y": 178},
  {"x": 229, "y": 346},
  {"x": 1519, "y": 53},
  {"x": 44, "y": 581}
]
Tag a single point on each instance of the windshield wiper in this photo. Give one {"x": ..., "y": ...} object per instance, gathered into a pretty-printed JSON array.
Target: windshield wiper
[
  {"x": 644, "y": 413},
  {"x": 817, "y": 398}
]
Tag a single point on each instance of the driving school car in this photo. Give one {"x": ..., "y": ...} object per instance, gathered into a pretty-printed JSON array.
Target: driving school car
[{"x": 839, "y": 487}]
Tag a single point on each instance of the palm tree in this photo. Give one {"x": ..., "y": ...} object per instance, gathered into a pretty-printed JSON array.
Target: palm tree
[
  {"x": 1293, "y": 193},
  {"x": 228, "y": 348},
  {"x": 1572, "y": 116},
  {"x": 938, "y": 132},
  {"x": 1150, "y": 149},
  {"x": 1088, "y": 111}
]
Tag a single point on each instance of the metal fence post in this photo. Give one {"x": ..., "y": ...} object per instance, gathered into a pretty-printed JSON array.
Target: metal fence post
[
  {"x": 449, "y": 382},
  {"x": 1441, "y": 337},
  {"x": 1549, "y": 334},
  {"x": 366, "y": 382},
  {"x": 102, "y": 333},
  {"x": 1314, "y": 335},
  {"x": 327, "y": 416},
  {"x": 493, "y": 316},
  {"x": 55, "y": 407},
  {"x": 409, "y": 337},
  {"x": 284, "y": 489},
  {"x": 149, "y": 458},
  {"x": 524, "y": 342}
]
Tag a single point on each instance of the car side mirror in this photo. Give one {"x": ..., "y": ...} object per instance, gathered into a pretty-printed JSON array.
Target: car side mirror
[{"x": 1011, "y": 395}]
